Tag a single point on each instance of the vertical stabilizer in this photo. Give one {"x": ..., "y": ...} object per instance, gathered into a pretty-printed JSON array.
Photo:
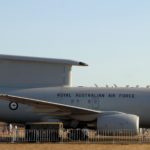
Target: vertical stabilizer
[{"x": 31, "y": 72}]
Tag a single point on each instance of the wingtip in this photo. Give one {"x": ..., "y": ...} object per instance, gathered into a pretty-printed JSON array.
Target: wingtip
[{"x": 82, "y": 64}]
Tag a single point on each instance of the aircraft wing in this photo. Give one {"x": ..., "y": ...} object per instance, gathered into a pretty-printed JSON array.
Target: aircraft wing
[{"x": 55, "y": 109}]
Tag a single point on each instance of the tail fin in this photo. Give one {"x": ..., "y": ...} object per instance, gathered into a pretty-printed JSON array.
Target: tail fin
[{"x": 31, "y": 72}]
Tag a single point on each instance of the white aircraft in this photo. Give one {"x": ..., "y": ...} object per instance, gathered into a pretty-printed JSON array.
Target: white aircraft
[{"x": 31, "y": 92}]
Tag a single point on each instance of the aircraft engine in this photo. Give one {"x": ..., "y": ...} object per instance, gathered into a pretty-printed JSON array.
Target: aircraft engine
[{"x": 119, "y": 122}]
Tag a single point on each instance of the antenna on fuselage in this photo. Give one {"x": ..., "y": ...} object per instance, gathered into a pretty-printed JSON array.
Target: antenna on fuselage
[
  {"x": 96, "y": 85},
  {"x": 115, "y": 85}
]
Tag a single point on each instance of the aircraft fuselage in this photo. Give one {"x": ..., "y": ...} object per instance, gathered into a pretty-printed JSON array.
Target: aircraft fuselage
[{"x": 129, "y": 100}]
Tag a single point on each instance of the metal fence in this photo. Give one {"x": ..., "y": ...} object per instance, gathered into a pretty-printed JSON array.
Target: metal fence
[{"x": 75, "y": 136}]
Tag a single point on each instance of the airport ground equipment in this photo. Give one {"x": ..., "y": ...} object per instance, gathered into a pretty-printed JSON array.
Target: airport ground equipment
[{"x": 43, "y": 131}]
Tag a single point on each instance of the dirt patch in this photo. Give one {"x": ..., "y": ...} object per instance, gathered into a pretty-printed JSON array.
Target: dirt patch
[{"x": 73, "y": 147}]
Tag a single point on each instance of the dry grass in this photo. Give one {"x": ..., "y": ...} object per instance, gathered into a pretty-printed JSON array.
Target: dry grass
[{"x": 73, "y": 147}]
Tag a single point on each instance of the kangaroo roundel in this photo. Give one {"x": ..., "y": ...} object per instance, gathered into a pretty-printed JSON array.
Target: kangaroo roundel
[{"x": 13, "y": 106}]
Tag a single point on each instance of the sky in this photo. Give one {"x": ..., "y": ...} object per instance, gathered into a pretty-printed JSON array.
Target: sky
[{"x": 112, "y": 36}]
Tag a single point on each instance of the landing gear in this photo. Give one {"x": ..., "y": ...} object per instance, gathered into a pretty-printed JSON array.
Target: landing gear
[{"x": 77, "y": 134}]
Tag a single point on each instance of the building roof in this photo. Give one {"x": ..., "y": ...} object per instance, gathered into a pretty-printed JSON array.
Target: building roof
[{"x": 42, "y": 60}]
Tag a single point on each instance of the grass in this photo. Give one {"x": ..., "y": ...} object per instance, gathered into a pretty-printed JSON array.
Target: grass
[{"x": 73, "y": 147}]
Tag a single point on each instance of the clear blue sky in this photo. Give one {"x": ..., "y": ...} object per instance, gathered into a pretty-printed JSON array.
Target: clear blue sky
[{"x": 112, "y": 36}]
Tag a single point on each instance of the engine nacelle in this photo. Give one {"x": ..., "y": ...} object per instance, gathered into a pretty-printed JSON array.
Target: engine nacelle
[{"x": 114, "y": 123}]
